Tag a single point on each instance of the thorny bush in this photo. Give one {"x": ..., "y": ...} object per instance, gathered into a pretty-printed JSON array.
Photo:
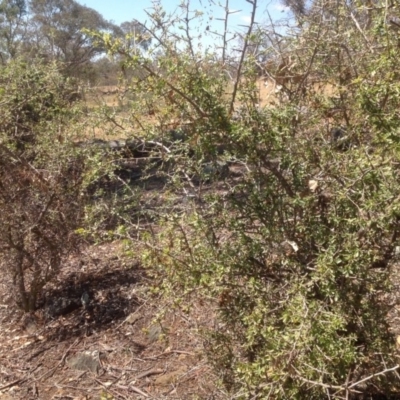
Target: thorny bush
[
  {"x": 43, "y": 176},
  {"x": 298, "y": 252}
]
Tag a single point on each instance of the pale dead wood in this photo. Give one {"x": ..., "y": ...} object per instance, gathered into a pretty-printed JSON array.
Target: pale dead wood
[
  {"x": 108, "y": 388},
  {"x": 134, "y": 388},
  {"x": 11, "y": 384},
  {"x": 153, "y": 371}
]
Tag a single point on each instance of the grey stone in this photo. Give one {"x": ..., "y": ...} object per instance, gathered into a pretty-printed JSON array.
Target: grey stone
[
  {"x": 87, "y": 361},
  {"x": 154, "y": 333}
]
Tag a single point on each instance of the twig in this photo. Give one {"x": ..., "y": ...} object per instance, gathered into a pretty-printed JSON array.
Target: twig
[
  {"x": 134, "y": 388},
  {"x": 361, "y": 31},
  {"x": 126, "y": 319},
  {"x": 243, "y": 54},
  {"x": 324, "y": 385},
  {"x": 177, "y": 90},
  {"x": 183, "y": 352},
  {"x": 187, "y": 31},
  {"x": 153, "y": 371},
  {"x": 12, "y": 384},
  {"x": 51, "y": 372},
  {"x": 373, "y": 376},
  {"x": 347, "y": 387},
  {"x": 37, "y": 353},
  {"x": 110, "y": 389},
  {"x": 22, "y": 161},
  {"x": 225, "y": 34}
]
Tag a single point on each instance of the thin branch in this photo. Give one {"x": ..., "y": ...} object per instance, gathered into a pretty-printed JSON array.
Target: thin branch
[
  {"x": 22, "y": 162},
  {"x": 48, "y": 374},
  {"x": 361, "y": 31},
  {"x": 153, "y": 371},
  {"x": 134, "y": 389},
  {"x": 243, "y": 55},
  {"x": 324, "y": 385},
  {"x": 347, "y": 387},
  {"x": 175, "y": 89},
  {"x": 224, "y": 42},
  {"x": 11, "y": 384},
  {"x": 187, "y": 30},
  {"x": 373, "y": 376}
]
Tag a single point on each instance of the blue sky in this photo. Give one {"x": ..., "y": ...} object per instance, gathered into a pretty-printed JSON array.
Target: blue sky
[
  {"x": 126, "y": 10},
  {"x": 120, "y": 11}
]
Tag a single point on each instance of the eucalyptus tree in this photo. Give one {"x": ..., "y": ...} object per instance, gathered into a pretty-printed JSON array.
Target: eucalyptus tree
[
  {"x": 13, "y": 19},
  {"x": 60, "y": 34}
]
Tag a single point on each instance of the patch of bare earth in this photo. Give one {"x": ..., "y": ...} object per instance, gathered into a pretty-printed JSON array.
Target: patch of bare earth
[{"x": 107, "y": 347}]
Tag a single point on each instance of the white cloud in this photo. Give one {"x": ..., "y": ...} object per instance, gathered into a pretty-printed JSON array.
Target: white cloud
[
  {"x": 280, "y": 7},
  {"x": 246, "y": 18}
]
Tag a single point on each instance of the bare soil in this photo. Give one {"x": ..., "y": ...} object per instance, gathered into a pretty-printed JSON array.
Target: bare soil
[
  {"x": 138, "y": 355},
  {"x": 139, "y": 346}
]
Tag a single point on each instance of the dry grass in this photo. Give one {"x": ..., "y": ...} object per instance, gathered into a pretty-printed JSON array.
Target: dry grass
[
  {"x": 124, "y": 124},
  {"x": 111, "y": 96}
]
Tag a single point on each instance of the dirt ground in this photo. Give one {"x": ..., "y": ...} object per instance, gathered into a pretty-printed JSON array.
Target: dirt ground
[
  {"x": 123, "y": 342},
  {"x": 126, "y": 353}
]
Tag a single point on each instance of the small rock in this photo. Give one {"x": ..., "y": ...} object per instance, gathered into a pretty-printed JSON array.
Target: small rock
[
  {"x": 87, "y": 361},
  {"x": 154, "y": 333}
]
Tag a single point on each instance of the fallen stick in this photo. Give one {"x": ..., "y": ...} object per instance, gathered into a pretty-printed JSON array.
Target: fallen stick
[
  {"x": 154, "y": 371},
  {"x": 50, "y": 373},
  {"x": 134, "y": 388},
  {"x": 11, "y": 384},
  {"x": 109, "y": 389}
]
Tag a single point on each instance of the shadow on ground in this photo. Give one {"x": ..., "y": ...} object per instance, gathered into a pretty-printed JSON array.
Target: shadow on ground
[{"x": 87, "y": 303}]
